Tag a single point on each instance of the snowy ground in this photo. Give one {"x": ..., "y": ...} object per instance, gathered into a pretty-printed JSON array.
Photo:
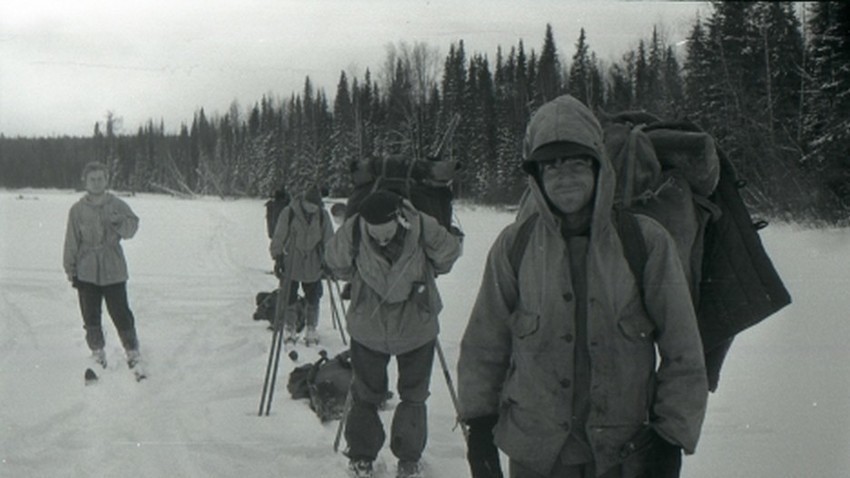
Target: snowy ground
[{"x": 782, "y": 410}]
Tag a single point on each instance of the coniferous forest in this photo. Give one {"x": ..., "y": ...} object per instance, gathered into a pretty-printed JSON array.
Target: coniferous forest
[{"x": 771, "y": 85}]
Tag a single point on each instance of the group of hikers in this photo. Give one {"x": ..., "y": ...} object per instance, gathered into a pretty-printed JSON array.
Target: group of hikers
[{"x": 559, "y": 362}]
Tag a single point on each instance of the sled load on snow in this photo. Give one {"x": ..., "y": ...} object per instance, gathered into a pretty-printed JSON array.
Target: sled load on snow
[
  {"x": 325, "y": 383},
  {"x": 674, "y": 172},
  {"x": 425, "y": 182}
]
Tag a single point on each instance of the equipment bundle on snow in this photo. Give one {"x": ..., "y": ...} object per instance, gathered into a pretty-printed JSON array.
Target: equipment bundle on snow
[
  {"x": 674, "y": 173},
  {"x": 325, "y": 382},
  {"x": 267, "y": 305},
  {"x": 427, "y": 183}
]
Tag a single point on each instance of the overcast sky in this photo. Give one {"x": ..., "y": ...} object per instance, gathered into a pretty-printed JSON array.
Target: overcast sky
[{"x": 65, "y": 63}]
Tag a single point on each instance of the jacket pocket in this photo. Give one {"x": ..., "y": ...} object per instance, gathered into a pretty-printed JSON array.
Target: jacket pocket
[
  {"x": 421, "y": 296},
  {"x": 636, "y": 454},
  {"x": 524, "y": 324},
  {"x": 637, "y": 327}
]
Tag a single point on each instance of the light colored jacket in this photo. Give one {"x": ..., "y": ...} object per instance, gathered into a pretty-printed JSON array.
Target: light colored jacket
[
  {"x": 516, "y": 357},
  {"x": 394, "y": 307},
  {"x": 93, "y": 236},
  {"x": 301, "y": 242}
]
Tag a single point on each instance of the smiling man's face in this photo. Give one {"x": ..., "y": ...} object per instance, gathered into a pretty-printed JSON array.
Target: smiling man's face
[{"x": 568, "y": 182}]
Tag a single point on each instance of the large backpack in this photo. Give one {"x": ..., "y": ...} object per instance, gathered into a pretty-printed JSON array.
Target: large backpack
[
  {"x": 425, "y": 182},
  {"x": 273, "y": 208},
  {"x": 325, "y": 383},
  {"x": 674, "y": 173}
]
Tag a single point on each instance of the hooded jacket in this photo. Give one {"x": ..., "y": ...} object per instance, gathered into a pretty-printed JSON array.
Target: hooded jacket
[
  {"x": 301, "y": 241},
  {"x": 92, "y": 251},
  {"x": 517, "y": 353},
  {"x": 394, "y": 307}
]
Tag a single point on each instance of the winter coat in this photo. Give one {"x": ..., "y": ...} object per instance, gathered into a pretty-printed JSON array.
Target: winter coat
[
  {"x": 301, "y": 241},
  {"x": 394, "y": 307},
  {"x": 516, "y": 357},
  {"x": 92, "y": 251}
]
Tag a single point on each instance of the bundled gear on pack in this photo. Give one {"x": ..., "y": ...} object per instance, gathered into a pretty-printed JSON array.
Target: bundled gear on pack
[
  {"x": 274, "y": 206},
  {"x": 673, "y": 172},
  {"x": 325, "y": 383},
  {"x": 267, "y": 304},
  {"x": 426, "y": 183}
]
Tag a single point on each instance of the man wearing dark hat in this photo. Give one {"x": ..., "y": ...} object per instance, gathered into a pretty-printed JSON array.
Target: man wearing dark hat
[
  {"x": 392, "y": 254},
  {"x": 298, "y": 244},
  {"x": 558, "y": 364}
]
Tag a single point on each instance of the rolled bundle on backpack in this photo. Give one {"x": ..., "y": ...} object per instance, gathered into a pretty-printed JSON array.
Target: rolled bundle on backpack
[{"x": 692, "y": 153}]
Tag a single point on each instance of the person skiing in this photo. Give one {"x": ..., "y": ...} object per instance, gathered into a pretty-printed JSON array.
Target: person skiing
[
  {"x": 557, "y": 364},
  {"x": 95, "y": 265},
  {"x": 297, "y": 247},
  {"x": 392, "y": 254}
]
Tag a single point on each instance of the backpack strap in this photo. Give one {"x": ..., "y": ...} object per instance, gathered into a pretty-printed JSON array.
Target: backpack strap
[
  {"x": 634, "y": 244},
  {"x": 520, "y": 243}
]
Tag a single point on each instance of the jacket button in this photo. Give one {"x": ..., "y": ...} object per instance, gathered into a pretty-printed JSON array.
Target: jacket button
[
  {"x": 566, "y": 383},
  {"x": 568, "y": 296},
  {"x": 568, "y": 338}
]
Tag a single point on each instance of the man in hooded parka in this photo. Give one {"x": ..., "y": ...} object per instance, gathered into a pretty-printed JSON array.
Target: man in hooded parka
[{"x": 558, "y": 364}]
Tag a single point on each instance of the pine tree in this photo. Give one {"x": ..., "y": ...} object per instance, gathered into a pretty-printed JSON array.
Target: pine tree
[
  {"x": 549, "y": 81},
  {"x": 580, "y": 74},
  {"x": 827, "y": 123}
]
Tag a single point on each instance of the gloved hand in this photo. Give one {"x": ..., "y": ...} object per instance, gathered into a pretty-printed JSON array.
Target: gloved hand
[
  {"x": 278, "y": 267},
  {"x": 482, "y": 454},
  {"x": 327, "y": 272},
  {"x": 666, "y": 459}
]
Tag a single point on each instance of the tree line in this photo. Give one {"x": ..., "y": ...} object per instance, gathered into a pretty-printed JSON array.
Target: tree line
[{"x": 770, "y": 80}]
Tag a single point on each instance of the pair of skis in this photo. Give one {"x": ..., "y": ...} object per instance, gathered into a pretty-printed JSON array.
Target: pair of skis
[{"x": 92, "y": 378}]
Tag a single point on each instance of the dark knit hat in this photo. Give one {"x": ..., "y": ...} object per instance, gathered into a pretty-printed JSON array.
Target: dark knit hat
[
  {"x": 380, "y": 207},
  {"x": 314, "y": 196}
]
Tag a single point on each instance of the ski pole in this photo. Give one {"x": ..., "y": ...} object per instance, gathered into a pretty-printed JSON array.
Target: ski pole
[
  {"x": 346, "y": 409},
  {"x": 451, "y": 387},
  {"x": 285, "y": 287},
  {"x": 335, "y": 314},
  {"x": 339, "y": 294},
  {"x": 276, "y": 335}
]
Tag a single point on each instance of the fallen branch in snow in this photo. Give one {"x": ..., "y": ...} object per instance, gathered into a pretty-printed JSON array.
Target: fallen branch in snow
[{"x": 173, "y": 192}]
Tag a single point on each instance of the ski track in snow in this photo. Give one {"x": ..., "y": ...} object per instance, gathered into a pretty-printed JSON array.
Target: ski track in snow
[{"x": 782, "y": 409}]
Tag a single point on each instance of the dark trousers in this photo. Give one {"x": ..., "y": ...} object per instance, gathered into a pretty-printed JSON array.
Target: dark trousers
[
  {"x": 313, "y": 291},
  {"x": 91, "y": 302},
  {"x": 364, "y": 431}
]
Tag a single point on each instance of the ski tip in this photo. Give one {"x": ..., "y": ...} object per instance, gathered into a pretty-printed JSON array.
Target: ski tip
[{"x": 90, "y": 376}]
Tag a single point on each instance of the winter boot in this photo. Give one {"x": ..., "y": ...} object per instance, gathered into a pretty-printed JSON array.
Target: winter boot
[
  {"x": 311, "y": 337},
  {"x": 290, "y": 336},
  {"x": 99, "y": 357},
  {"x": 290, "y": 327},
  {"x": 134, "y": 363},
  {"x": 134, "y": 357},
  {"x": 409, "y": 469},
  {"x": 311, "y": 313},
  {"x": 360, "y": 469}
]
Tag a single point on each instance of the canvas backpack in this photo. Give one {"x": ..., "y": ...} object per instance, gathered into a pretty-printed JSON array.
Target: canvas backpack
[{"x": 324, "y": 383}]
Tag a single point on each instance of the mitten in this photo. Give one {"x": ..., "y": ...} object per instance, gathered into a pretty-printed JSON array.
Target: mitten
[
  {"x": 482, "y": 454},
  {"x": 278, "y": 267}
]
